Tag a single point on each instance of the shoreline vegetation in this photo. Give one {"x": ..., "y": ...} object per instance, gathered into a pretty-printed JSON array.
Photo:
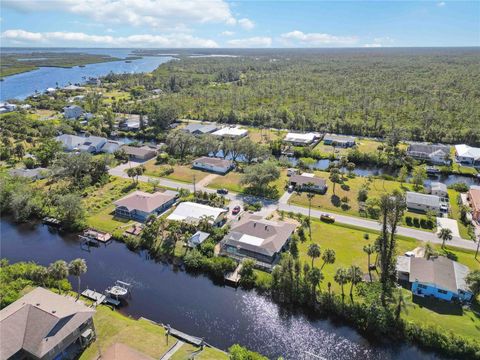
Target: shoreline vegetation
[{"x": 17, "y": 63}]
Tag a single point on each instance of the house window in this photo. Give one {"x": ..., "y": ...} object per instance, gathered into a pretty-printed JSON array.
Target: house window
[
  {"x": 442, "y": 291},
  {"x": 422, "y": 286}
]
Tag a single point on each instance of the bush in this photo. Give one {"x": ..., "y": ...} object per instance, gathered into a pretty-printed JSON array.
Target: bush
[
  {"x": 408, "y": 220},
  {"x": 416, "y": 222},
  {"x": 460, "y": 187}
]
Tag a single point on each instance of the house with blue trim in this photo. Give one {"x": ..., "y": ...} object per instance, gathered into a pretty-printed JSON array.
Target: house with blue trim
[
  {"x": 437, "y": 277},
  {"x": 139, "y": 205}
]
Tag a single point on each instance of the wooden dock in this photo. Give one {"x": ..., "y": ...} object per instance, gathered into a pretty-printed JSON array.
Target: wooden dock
[
  {"x": 99, "y": 298},
  {"x": 51, "y": 221},
  {"x": 234, "y": 277},
  {"x": 184, "y": 337}
]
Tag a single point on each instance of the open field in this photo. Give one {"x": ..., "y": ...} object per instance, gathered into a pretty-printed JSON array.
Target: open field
[
  {"x": 264, "y": 136},
  {"x": 348, "y": 245},
  {"x": 368, "y": 146},
  {"x": 141, "y": 335},
  {"x": 114, "y": 95},
  {"x": 183, "y": 173}
]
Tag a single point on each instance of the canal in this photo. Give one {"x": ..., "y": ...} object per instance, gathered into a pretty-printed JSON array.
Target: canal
[{"x": 193, "y": 304}]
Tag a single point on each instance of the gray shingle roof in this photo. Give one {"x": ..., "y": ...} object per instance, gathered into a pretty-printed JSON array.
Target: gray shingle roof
[
  {"x": 200, "y": 128},
  {"x": 214, "y": 161},
  {"x": 425, "y": 199},
  {"x": 146, "y": 202}
]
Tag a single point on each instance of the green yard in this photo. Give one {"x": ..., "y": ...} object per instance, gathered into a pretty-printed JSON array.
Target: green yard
[
  {"x": 264, "y": 136},
  {"x": 183, "y": 173},
  {"x": 348, "y": 246},
  {"x": 363, "y": 145},
  {"x": 141, "y": 335}
]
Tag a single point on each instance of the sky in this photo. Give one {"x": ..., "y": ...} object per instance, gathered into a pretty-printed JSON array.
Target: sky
[{"x": 238, "y": 24}]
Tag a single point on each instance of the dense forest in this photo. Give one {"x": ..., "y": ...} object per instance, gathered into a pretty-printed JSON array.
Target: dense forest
[{"x": 421, "y": 94}]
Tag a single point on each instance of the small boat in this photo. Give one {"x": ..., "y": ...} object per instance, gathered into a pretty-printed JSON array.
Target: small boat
[
  {"x": 119, "y": 290},
  {"x": 51, "y": 221},
  {"x": 431, "y": 170}
]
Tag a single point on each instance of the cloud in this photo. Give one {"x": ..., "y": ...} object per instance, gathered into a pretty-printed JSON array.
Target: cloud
[
  {"x": 373, "y": 45},
  {"x": 227, "y": 33},
  {"x": 154, "y": 13},
  {"x": 380, "y": 42},
  {"x": 256, "y": 41},
  {"x": 78, "y": 38},
  {"x": 298, "y": 38},
  {"x": 441, "y": 4},
  {"x": 247, "y": 24}
]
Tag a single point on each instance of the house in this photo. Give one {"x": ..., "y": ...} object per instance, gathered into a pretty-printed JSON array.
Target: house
[
  {"x": 50, "y": 90},
  {"x": 438, "y": 277},
  {"x": 6, "y": 107},
  {"x": 139, "y": 205},
  {"x": 193, "y": 213},
  {"x": 197, "y": 239},
  {"x": 231, "y": 132},
  {"x": 92, "y": 144},
  {"x": 433, "y": 153},
  {"x": 44, "y": 325},
  {"x": 308, "y": 182},
  {"x": 72, "y": 87},
  {"x": 437, "y": 188},
  {"x": 212, "y": 164},
  {"x": 72, "y": 112},
  {"x": 467, "y": 155},
  {"x": 111, "y": 146},
  {"x": 200, "y": 129},
  {"x": 424, "y": 202},
  {"x": 339, "y": 140},
  {"x": 94, "y": 81},
  {"x": 473, "y": 197},
  {"x": 300, "y": 139},
  {"x": 70, "y": 142},
  {"x": 256, "y": 238},
  {"x": 139, "y": 153},
  {"x": 131, "y": 122},
  {"x": 32, "y": 174}
]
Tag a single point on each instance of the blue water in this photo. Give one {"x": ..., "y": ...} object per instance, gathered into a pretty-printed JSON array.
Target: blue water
[{"x": 25, "y": 84}]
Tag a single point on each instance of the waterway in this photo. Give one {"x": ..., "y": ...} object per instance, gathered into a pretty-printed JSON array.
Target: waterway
[
  {"x": 193, "y": 304},
  {"x": 25, "y": 84}
]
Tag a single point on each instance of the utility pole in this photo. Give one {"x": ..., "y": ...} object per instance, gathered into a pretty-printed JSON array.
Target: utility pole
[{"x": 194, "y": 188}]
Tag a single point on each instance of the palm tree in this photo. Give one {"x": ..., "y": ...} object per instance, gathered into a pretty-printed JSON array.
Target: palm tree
[
  {"x": 313, "y": 251},
  {"x": 445, "y": 235},
  {"x": 77, "y": 268},
  {"x": 341, "y": 278},
  {"x": 58, "y": 271},
  {"x": 401, "y": 305},
  {"x": 39, "y": 275},
  {"x": 315, "y": 277},
  {"x": 369, "y": 250},
  {"x": 354, "y": 276},
  {"x": 131, "y": 172},
  {"x": 328, "y": 257}
]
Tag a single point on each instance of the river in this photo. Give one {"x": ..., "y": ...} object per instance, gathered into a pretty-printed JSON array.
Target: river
[
  {"x": 193, "y": 304},
  {"x": 20, "y": 86}
]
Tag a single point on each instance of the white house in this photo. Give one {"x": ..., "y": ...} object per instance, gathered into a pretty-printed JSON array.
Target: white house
[
  {"x": 72, "y": 112},
  {"x": 300, "y": 139},
  {"x": 424, "y": 202},
  {"x": 467, "y": 155},
  {"x": 231, "y": 132},
  {"x": 92, "y": 144},
  {"x": 433, "y": 153},
  {"x": 193, "y": 212},
  {"x": 70, "y": 142},
  {"x": 308, "y": 182},
  {"x": 217, "y": 165},
  {"x": 339, "y": 140},
  {"x": 438, "y": 189},
  {"x": 111, "y": 146}
]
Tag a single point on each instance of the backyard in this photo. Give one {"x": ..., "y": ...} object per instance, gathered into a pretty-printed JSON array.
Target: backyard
[
  {"x": 141, "y": 335},
  {"x": 182, "y": 173}
]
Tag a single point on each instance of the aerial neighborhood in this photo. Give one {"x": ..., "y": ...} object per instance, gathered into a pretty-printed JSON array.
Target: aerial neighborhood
[{"x": 339, "y": 220}]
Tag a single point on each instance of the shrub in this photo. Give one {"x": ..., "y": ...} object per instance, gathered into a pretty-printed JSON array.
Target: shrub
[
  {"x": 416, "y": 222},
  {"x": 460, "y": 187},
  {"x": 408, "y": 220}
]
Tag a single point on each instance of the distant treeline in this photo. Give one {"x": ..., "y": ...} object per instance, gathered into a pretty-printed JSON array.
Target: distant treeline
[{"x": 421, "y": 94}]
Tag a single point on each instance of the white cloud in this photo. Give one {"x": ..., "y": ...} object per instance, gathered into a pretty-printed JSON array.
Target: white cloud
[
  {"x": 247, "y": 24},
  {"x": 227, "y": 33},
  {"x": 441, "y": 4},
  {"x": 257, "y": 41},
  {"x": 373, "y": 45},
  {"x": 298, "y": 38},
  {"x": 380, "y": 42},
  {"x": 154, "y": 13},
  {"x": 78, "y": 38}
]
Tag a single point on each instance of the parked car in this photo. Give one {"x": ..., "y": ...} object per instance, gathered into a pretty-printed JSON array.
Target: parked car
[
  {"x": 290, "y": 188},
  {"x": 236, "y": 210},
  {"x": 327, "y": 218},
  {"x": 222, "y": 191}
]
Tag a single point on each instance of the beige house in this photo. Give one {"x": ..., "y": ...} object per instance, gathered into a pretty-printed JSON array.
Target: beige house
[
  {"x": 139, "y": 153},
  {"x": 44, "y": 325}
]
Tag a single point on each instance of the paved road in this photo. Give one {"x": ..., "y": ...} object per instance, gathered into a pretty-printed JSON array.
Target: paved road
[{"x": 270, "y": 206}]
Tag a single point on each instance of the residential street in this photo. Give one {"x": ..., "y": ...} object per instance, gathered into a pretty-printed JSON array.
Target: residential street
[{"x": 270, "y": 206}]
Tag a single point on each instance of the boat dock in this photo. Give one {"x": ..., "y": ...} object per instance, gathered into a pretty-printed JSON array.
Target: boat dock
[
  {"x": 99, "y": 298},
  {"x": 51, "y": 221},
  {"x": 234, "y": 277},
  {"x": 95, "y": 237},
  {"x": 184, "y": 337}
]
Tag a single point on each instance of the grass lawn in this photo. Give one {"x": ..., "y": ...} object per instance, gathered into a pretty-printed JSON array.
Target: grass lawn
[
  {"x": 115, "y": 95},
  {"x": 208, "y": 353},
  {"x": 231, "y": 182},
  {"x": 264, "y": 136},
  {"x": 99, "y": 203},
  {"x": 348, "y": 245},
  {"x": 363, "y": 145},
  {"x": 183, "y": 173},
  {"x": 455, "y": 213},
  {"x": 141, "y": 335}
]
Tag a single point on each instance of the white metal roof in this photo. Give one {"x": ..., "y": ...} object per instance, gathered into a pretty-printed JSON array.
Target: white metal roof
[
  {"x": 231, "y": 131},
  {"x": 191, "y": 210},
  {"x": 299, "y": 137},
  {"x": 467, "y": 151}
]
